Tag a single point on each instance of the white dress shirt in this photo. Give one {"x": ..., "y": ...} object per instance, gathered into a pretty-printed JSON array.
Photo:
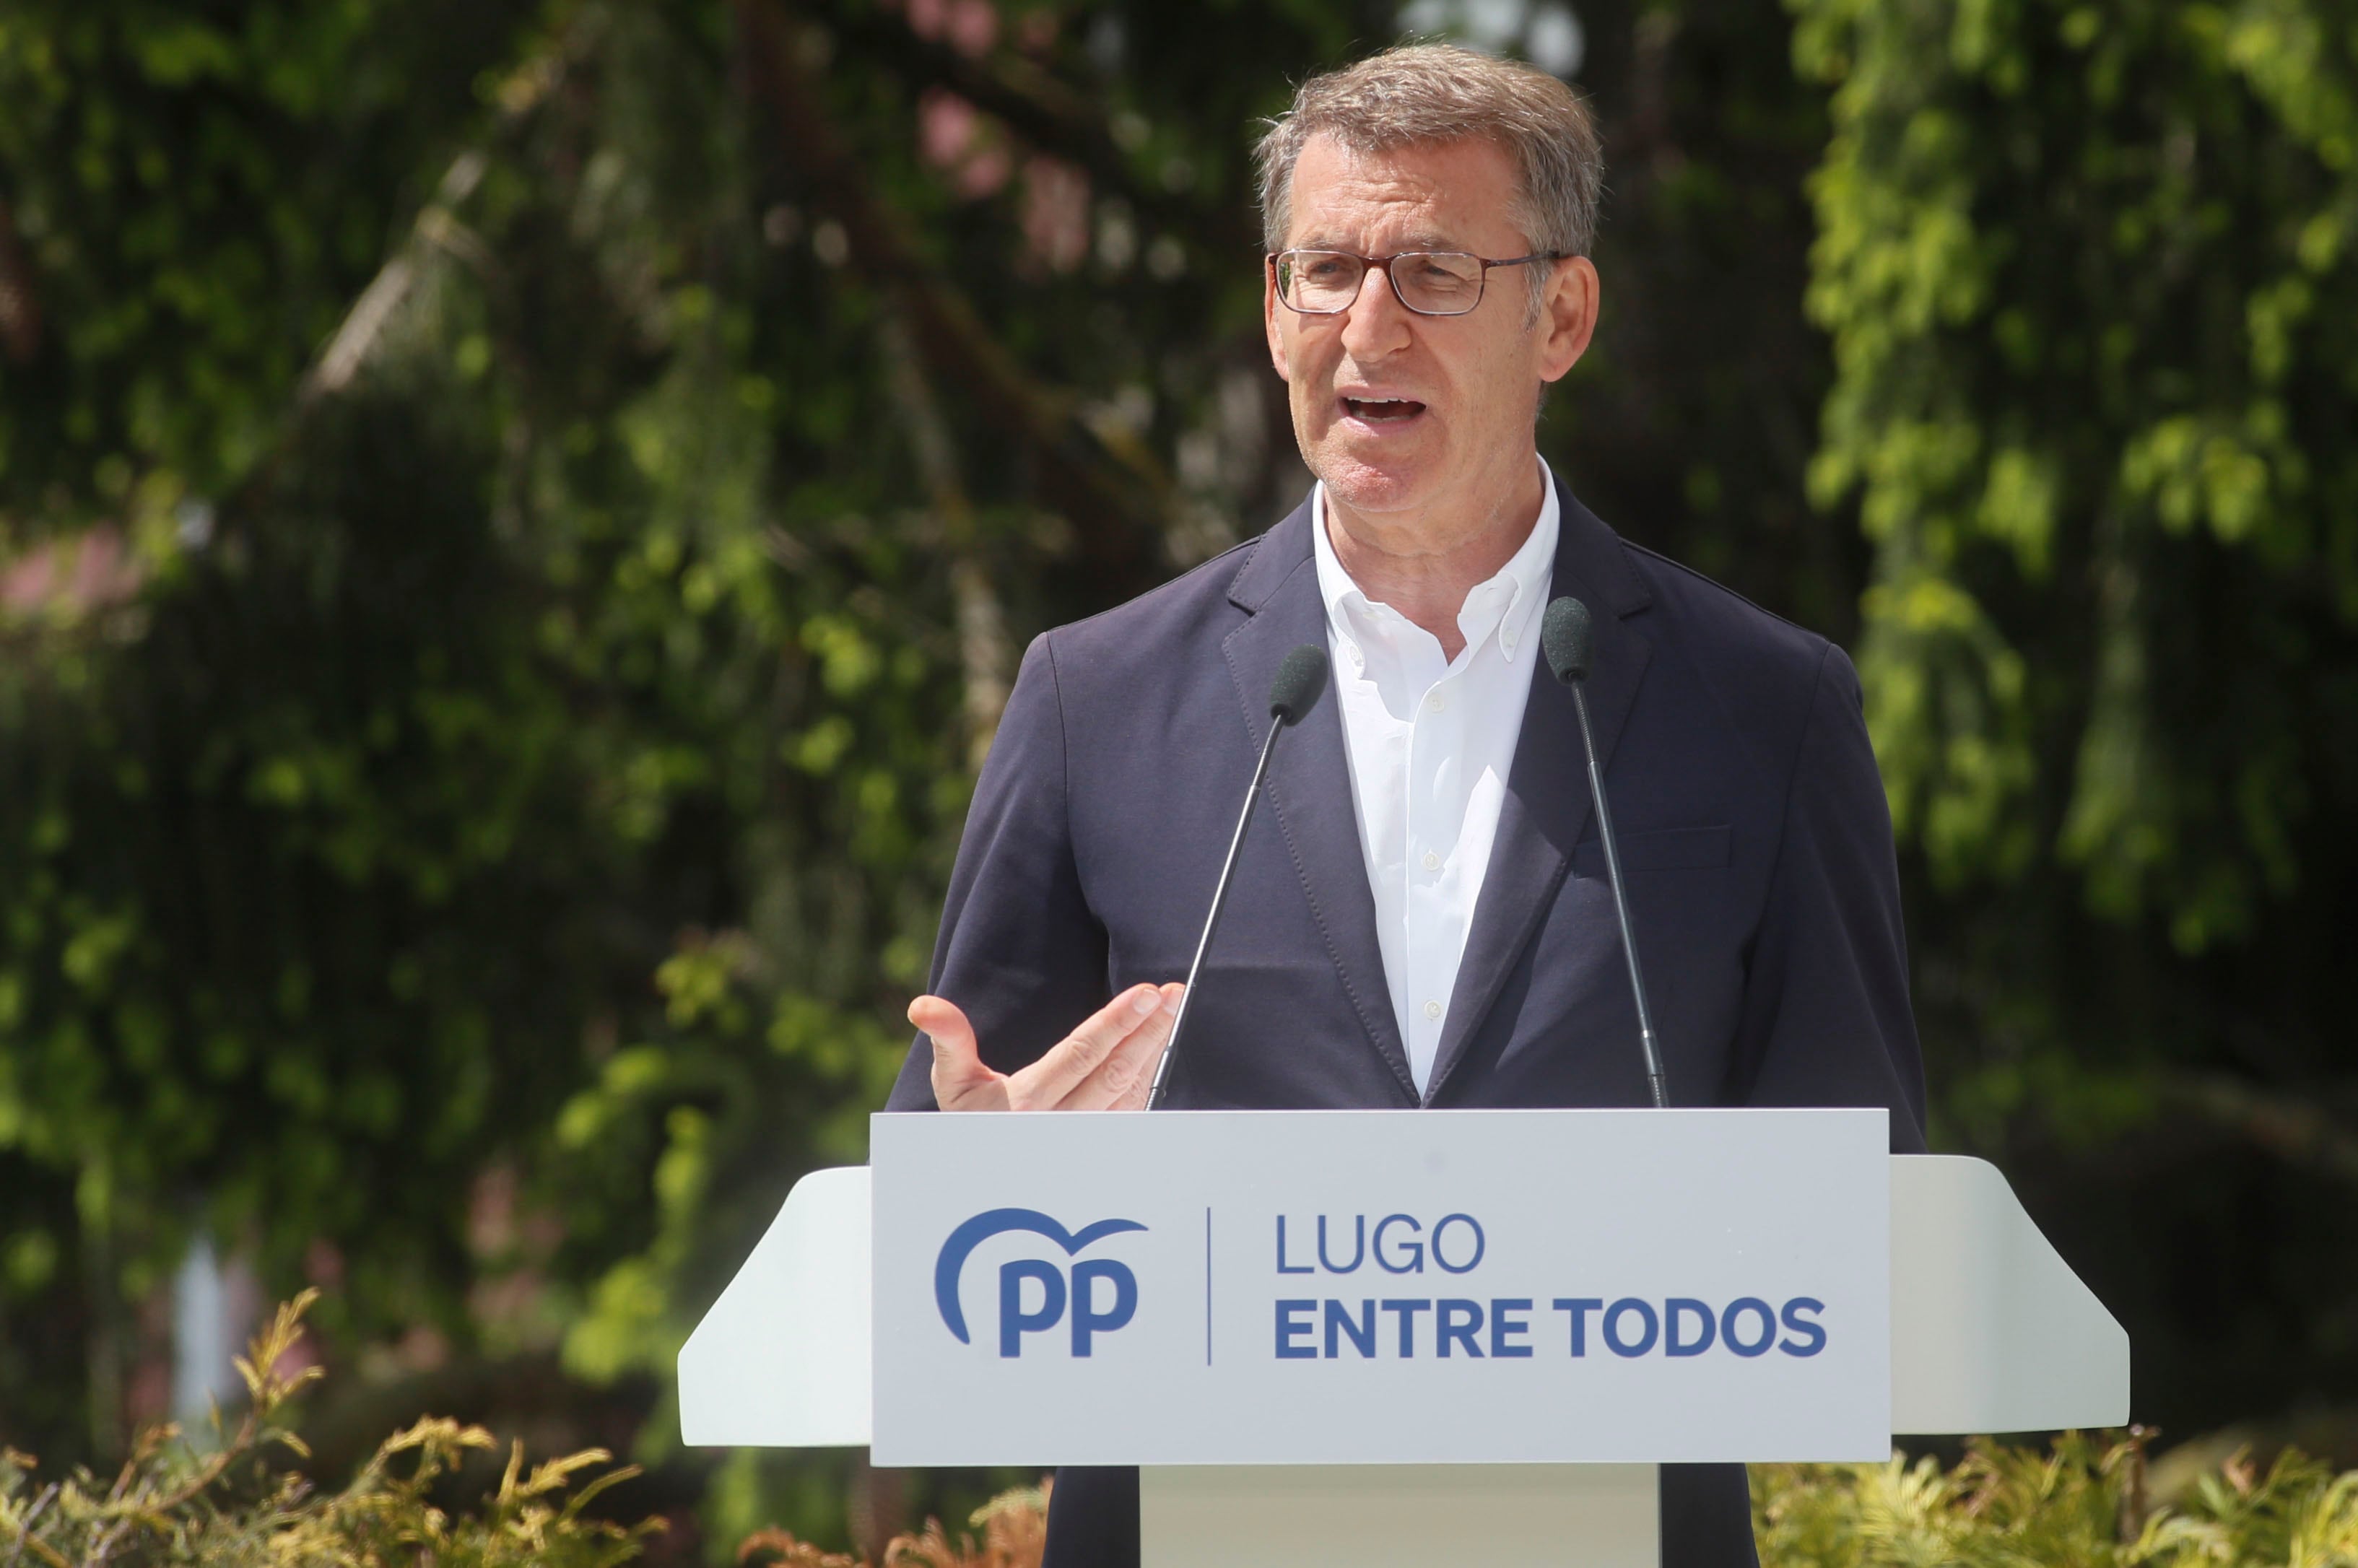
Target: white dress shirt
[{"x": 1430, "y": 742}]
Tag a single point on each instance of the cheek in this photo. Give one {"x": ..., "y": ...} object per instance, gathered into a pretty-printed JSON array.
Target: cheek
[
  {"x": 1499, "y": 384},
  {"x": 1309, "y": 369}
]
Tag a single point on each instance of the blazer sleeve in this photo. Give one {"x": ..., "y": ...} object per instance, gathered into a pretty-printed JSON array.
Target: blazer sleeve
[
  {"x": 1826, "y": 1019},
  {"x": 1020, "y": 950}
]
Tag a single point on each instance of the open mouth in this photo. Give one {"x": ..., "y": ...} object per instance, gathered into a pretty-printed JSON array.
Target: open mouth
[{"x": 1383, "y": 410}]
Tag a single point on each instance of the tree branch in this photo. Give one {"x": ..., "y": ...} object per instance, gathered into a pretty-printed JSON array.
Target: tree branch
[
  {"x": 981, "y": 624},
  {"x": 1111, "y": 479},
  {"x": 435, "y": 226},
  {"x": 1055, "y": 117}
]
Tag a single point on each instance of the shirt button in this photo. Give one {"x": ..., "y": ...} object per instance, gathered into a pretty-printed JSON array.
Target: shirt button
[
  {"x": 1433, "y": 1009},
  {"x": 1436, "y": 702},
  {"x": 1431, "y": 861}
]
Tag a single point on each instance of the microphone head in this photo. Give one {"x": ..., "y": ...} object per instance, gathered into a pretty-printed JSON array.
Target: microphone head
[
  {"x": 1566, "y": 637},
  {"x": 1300, "y": 679}
]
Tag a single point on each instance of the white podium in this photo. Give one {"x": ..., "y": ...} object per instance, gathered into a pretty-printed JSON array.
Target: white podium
[{"x": 1375, "y": 1338}]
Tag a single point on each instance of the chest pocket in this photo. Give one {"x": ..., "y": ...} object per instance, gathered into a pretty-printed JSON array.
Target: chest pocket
[{"x": 1665, "y": 849}]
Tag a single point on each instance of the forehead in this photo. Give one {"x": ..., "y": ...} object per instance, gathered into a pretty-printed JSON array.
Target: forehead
[{"x": 1456, "y": 195}]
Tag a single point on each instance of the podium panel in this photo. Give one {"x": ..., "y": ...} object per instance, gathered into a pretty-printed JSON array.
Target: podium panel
[
  {"x": 783, "y": 1359},
  {"x": 1988, "y": 1328},
  {"x": 1412, "y": 1516},
  {"x": 1381, "y": 1287}
]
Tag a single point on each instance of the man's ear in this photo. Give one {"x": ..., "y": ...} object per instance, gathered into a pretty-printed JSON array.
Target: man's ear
[
  {"x": 1270, "y": 329},
  {"x": 1569, "y": 318}
]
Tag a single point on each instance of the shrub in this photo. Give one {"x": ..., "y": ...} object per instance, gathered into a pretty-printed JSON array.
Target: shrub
[
  {"x": 1014, "y": 1528},
  {"x": 2078, "y": 1503},
  {"x": 234, "y": 1508}
]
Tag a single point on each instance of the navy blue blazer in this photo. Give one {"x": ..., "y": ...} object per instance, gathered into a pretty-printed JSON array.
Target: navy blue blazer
[{"x": 1755, "y": 838}]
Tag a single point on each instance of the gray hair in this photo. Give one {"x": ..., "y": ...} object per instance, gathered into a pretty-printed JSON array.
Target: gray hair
[{"x": 1420, "y": 94}]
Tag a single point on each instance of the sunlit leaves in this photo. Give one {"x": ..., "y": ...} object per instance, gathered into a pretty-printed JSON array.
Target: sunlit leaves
[
  {"x": 2084, "y": 275},
  {"x": 184, "y": 268},
  {"x": 2083, "y": 1502}
]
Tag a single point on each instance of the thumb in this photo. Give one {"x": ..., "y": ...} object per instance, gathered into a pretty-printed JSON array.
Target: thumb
[{"x": 957, "y": 1059}]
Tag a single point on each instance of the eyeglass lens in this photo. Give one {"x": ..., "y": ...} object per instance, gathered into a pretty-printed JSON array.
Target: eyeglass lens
[{"x": 1441, "y": 283}]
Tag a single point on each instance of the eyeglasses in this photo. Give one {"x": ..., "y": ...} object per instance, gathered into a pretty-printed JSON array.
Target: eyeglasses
[{"x": 1430, "y": 283}]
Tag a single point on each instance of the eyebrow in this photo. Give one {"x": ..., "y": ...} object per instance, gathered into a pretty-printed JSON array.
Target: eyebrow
[{"x": 1425, "y": 240}]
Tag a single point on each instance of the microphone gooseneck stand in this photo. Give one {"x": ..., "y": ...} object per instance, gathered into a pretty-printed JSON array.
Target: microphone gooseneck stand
[
  {"x": 1567, "y": 635},
  {"x": 1300, "y": 679}
]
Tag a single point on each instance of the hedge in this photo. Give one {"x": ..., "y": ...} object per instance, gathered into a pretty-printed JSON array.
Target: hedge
[{"x": 2077, "y": 1502}]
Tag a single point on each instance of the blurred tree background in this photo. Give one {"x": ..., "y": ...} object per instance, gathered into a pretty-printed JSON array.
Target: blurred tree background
[{"x": 517, "y": 519}]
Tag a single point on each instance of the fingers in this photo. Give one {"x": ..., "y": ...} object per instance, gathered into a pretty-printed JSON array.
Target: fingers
[
  {"x": 1141, "y": 1083},
  {"x": 1045, "y": 1083},
  {"x": 1120, "y": 1082},
  {"x": 961, "y": 1080},
  {"x": 1106, "y": 1064}
]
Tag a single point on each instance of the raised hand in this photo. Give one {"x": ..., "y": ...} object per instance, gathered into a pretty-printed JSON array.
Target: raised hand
[{"x": 1107, "y": 1063}]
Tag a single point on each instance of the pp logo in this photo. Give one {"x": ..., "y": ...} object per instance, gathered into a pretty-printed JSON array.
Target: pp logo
[{"x": 1102, "y": 1297}]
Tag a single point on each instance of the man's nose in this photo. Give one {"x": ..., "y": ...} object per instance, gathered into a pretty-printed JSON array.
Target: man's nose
[{"x": 1377, "y": 323}]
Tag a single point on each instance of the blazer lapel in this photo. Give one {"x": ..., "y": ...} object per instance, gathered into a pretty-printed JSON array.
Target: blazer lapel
[
  {"x": 1547, "y": 804},
  {"x": 1309, "y": 783}
]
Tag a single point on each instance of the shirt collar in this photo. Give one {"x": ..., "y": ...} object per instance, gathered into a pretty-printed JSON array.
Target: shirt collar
[{"x": 1527, "y": 576}]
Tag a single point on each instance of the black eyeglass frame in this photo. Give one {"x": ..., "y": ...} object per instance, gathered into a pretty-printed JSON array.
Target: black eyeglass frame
[{"x": 1385, "y": 262}]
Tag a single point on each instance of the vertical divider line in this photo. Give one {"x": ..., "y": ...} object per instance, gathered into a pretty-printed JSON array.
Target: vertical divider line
[{"x": 1207, "y": 1286}]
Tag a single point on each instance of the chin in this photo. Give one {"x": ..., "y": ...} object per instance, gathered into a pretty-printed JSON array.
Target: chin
[{"x": 1366, "y": 487}]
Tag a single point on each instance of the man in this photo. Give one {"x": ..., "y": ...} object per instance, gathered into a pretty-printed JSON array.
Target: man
[{"x": 1419, "y": 915}]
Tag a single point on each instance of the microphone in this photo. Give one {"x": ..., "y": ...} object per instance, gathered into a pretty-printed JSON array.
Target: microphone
[
  {"x": 1566, "y": 637},
  {"x": 1301, "y": 680}
]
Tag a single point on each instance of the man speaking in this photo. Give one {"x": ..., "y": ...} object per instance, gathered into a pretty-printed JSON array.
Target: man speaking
[{"x": 1420, "y": 915}]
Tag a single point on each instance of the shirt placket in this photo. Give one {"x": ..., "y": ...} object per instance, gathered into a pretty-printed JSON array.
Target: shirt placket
[{"x": 1436, "y": 734}]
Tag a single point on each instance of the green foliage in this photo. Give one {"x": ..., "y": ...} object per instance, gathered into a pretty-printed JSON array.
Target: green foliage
[
  {"x": 231, "y": 1507},
  {"x": 185, "y": 265},
  {"x": 2080, "y": 1504},
  {"x": 391, "y": 824},
  {"x": 2090, "y": 280}
]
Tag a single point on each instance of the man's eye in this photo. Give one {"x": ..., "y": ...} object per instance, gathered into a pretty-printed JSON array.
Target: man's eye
[{"x": 1321, "y": 271}]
